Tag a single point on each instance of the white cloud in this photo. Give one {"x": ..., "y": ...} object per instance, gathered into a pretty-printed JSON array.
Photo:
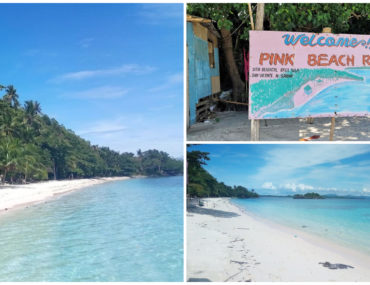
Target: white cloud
[
  {"x": 103, "y": 92},
  {"x": 268, "y": 185},
  {"x": 131, "y": 132},
  {"x": 171, "y": 81},
  {"x": 299, "y": 163},
  {"x": 121, "y": 70},
  {"x": 105, "y": 127},
  {"x": 294, "y": 187},
  {"x": 366, "y": 190}
]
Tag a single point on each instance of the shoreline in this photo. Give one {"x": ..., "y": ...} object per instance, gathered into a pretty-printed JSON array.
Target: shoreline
[
  {"x": 230, "y": 244},
  {"x": 353, "y": 253},
  {"x": 19, "y": 196}
]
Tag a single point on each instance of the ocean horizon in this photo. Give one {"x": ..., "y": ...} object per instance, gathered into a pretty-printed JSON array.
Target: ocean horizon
[
  {"x": 345, "y": 221},
  {"x": 116, "y": 231}
]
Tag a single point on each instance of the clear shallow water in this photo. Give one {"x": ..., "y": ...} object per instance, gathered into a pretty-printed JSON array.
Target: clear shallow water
[
  {"x": 120, "y": 231},
  {"x": 345, "y": 221}
]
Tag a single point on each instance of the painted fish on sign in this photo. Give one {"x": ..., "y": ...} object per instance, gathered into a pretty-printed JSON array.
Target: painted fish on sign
[{"x": 298, "y": 75}]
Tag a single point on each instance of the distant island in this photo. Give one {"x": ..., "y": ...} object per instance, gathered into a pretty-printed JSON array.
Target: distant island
[
  {"x": 35, "y": 147},
  {"x": 311, "y": 195},
  {"x": 202, "y": 184}
]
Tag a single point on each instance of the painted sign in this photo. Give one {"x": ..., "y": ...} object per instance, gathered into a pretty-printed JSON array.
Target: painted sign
[{"x": 297, "y": 75}]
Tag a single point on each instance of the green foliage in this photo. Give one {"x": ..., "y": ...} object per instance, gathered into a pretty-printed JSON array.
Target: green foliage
[
  {"x": 35, "y": 147},
  {"x": 296, "y": 17},
  {"x": 203, "y": 184},
  {"x": 303, "y": 17},
  {"x": 311, "y": 195}
]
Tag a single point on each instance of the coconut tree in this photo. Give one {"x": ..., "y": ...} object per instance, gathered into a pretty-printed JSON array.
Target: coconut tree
[
  {"x": 11, "y": 96},
  {"x": 9, "y": 122},
  {"x": 29, "y": 164},
  {"x": 32, "y": 109},
  {"x": 9, "y": 156}
]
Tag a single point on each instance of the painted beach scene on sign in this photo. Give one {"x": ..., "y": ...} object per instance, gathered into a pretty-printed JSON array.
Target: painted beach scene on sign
[{"x": 298, "y": 75}]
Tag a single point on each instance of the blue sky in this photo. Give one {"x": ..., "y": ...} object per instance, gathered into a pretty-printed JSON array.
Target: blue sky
[
  {"x": 111, "y": 73},
  {"x": 280, "y": 169}
]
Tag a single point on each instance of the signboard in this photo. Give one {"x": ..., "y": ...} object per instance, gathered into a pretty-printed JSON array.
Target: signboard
[{"x": 297, "y": 75}]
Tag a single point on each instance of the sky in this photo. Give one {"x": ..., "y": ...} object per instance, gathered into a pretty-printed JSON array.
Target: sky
[
  {"x": 281, "y": 169},
  {"x": 112, "y": 73}
]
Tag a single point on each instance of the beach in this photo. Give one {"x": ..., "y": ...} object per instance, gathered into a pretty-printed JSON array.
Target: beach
[
  {"x": 16, "y": 196},
  {"x": 226, "y": 243}
]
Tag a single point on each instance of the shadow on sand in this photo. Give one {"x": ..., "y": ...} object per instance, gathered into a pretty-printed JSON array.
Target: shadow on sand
[
  {"x": 335, "y": 265},
  {"x": 211, "y": 212},
  {"x": 199, "y": 280}
]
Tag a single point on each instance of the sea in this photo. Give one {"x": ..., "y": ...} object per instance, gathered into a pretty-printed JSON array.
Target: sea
[
  {"x": 346, "y": 97},
  {"x": 128, "y": 230},
  {"x": 345, "y": 221}
]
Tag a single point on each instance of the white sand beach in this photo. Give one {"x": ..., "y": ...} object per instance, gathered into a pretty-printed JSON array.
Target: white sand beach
[
  {"x": 15, "y": 196},
  {"x": 225, "y": 243}
]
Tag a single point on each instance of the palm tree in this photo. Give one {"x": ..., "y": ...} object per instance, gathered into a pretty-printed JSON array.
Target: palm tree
[
  {"x": 11, "y": 96},
  {"x": 9, "y": 123},
  {"x": 32, "y": 109},
  {"x": 9, "y": 155}
]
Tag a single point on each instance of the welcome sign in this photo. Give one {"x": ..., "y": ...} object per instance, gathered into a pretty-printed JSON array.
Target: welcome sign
[{"x": 297, "y": 75}]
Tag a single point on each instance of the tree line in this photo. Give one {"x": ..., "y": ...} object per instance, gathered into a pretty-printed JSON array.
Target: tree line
[
  {"x": 311, "y": 195},
  {"x": 35, "y": 147},
  {"x": 202, "y": 184}
]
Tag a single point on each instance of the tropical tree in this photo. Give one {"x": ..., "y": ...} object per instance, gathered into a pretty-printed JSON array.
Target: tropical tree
[
  {"x": 9, "y": 156},
  {"x": 11, "y": 96},
  {"x": 34, "y": 146},
  {"x": 233, "y": 22},
  {"x": 31, "y": 119}
]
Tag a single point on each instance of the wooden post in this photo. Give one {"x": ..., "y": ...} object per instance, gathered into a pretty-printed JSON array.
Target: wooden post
[
  {"x": 332, "y": 127},
  {"x": 255, "y": 124}
]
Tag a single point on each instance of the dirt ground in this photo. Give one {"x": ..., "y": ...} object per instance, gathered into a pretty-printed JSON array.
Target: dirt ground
[{"x": 235, "y": 126}]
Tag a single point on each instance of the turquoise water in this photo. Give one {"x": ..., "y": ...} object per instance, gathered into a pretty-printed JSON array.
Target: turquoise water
[
  {"x": 345, "y": 221},
  {"x": 119, "y": 231},
  {"x": 347, "y": 97}
]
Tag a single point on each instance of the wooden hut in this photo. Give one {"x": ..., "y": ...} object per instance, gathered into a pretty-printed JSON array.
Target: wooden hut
[{"x": 203, "y": 72}]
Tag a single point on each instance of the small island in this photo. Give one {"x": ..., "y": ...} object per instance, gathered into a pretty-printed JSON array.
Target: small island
[{"x": 311, "y": 195}]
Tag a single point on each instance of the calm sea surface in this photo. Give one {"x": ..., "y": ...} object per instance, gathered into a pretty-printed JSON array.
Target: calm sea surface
[
  {"x": 119, "y": 231},
  {"x": 345, "y": 221}
]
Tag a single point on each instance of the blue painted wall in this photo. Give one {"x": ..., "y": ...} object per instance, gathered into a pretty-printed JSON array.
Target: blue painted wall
[{"x": 199, "y": 70}]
